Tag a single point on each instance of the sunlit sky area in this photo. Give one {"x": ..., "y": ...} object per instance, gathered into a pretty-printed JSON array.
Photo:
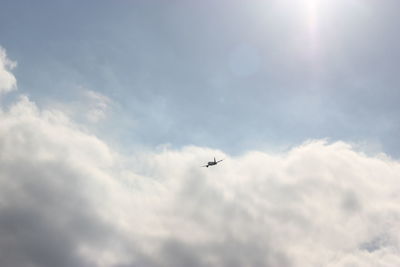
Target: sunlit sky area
[
  {"x": 232, "y": 75},
  {"x": 108, "y": 110}
]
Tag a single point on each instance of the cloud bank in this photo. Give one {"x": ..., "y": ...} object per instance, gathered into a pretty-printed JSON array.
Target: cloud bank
[
  {"x": 69, "y": 199},
  {"x": 7, "y": 79}
]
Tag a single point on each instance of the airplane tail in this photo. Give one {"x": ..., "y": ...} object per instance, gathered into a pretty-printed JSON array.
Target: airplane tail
[{"x": 215, "y": 160}]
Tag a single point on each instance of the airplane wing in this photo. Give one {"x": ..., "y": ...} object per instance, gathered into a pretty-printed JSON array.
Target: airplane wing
[
  {"x": 204, "y": 166},
  {"x": 219, "y": 160}
]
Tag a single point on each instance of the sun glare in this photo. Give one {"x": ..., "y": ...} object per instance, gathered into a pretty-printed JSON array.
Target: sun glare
[{"x": 312, "y": 9}]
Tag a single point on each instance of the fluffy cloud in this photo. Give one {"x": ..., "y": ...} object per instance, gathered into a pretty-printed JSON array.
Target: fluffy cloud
[
  {"x": 69, "y": 199},
  {"x": 7, "y": 79}
]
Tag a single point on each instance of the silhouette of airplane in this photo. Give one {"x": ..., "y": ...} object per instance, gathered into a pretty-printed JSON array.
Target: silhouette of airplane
[{"x": 212, "y": 163}]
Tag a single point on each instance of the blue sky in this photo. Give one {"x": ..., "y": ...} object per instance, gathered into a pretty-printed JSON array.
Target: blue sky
[{"x": 225, "y": 74}]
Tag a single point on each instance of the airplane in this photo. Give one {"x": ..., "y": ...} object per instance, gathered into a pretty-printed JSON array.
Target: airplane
[{"x": 212, "y": 163}]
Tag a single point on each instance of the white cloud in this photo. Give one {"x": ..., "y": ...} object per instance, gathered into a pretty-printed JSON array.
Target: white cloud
[
  {"x": 97, "y": 104},
  {"x": 68, "y": 199},
  {"x": 7, "y": 79},
  {"x": 88, "y": 106}
]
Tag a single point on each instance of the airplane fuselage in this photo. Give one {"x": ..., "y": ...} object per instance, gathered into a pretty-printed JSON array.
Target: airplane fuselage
[{"x": 212, "y": 163}]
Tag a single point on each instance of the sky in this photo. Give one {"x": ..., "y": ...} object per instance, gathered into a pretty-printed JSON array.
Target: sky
[{"x": 109, "y": 108}]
